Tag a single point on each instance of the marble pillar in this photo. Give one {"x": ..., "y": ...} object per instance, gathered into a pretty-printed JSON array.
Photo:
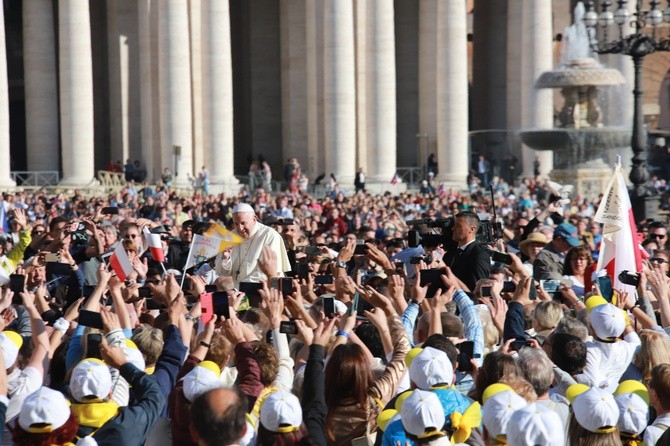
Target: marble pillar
[
  {"x": 151, "y": 160},
  {"x": 314, "y": 62},
  {"x": 360, "y": 48},
  {"x": 339, "y": 91},
  {"x": 217, "y": 93},
  {"x": 196, "y": 9},
  {"x": 536, "y": 58},
  {"x": 452, "y": 93},
  {"x": 513, "y": 79},
  {"x": 5, "y": 178},
  {"x": 76, "y": 92},
  {"x": 293, "y": 42},
  {"x": 41, "y": 85},
  {"x": 380, "y": 98},
  {"x": 427, "y": 80},
  {"x": 175, "y": 94}
]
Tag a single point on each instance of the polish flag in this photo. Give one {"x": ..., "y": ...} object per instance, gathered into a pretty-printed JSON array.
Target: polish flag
[
  {"x": 620, "y": 248},
  {"x": 155, "y": 245},
  {"x": 120, "y": 262}
]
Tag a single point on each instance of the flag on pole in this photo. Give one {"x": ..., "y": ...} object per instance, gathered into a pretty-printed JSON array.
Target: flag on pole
[
  {"x": 153, "y": 242},
  {"x": 394, "y": 180},
  {"x": 204, "y": 247},
  {"x": 619, "y": 249},
  {"x": 228, "y": 237},
  {"x": 120, "y": 262}
]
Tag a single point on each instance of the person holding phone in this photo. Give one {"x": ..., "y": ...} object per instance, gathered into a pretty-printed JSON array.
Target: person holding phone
[{"x": 261, "y": 256}]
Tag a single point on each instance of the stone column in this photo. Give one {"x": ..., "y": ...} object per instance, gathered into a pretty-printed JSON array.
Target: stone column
[
  {"x": 217, "y": 92},
  {"x": 41, "y": 85},
  {"x": 381, "y": 92},
  {"x": 145, "y": 9},
  {"x": 340, "y": 91},
  {"x": 361, "y": 57},
  {"x": 315, "y": 123},
  {"x": 5, "y": 162},
  {"x": 293, "y": 41},
  {"x": 76, "y": 92},
  {"x": 536, "y": 58},
  {"x": 175, "y": 93},
  {"x": 452, "y": 93},
  {"x": 199, "y": 154},
  {"x": 427, "y": 80}
]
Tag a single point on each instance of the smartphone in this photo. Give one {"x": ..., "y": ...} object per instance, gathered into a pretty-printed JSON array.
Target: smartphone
[
  {"x": 501, "y": 257},
  {"x": 605, "y": 285},
  {"x": 51, "y": 257},
  {"x": 360, "y": 247},
  {"x": 550, "y": 286},
  {"x": 432, "y": 277},
  {"x": 399, "y": 266},
  {"x": 17, "y": 283},
  {"x": 90, "y": 319},
  {"x": 303, "y": 270},
  {"x": 466, "y": 351},
  {"x": 283, "y": 284},
  {"x": 416, "y": 260},
  {"x": 508, "y": 287},
  {"x": 288, "y": 327},
  {"x": 250, "y": 288},
  {"x": 323, "y": 279},
  {"x": 61, "y": 293},
  {"x": 145, "y": 291},
  {"x": 58, "y": 268},
  {"x": 110, "y": 210},
  {"x": 210, "y": 288},
  {"x": 87, "y": 290},
  {"x": 519, "y": 344},
  {"x": 312, "y": 251},
  {"x": 485, "y": 291},
  {"x": 93, "y": 341},
  {"x": 354, "y": 303},
  {"x": 220, "y": 304},
  {"x": 329, "y": 306},
  {"x": 152, "y": 304}
]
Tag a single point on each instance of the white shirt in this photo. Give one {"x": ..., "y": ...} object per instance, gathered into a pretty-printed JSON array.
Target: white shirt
[
  {"x": 606, "y": 362},
  {"x": 243, "y": 262},
  {"x": 653, "y": 433}
]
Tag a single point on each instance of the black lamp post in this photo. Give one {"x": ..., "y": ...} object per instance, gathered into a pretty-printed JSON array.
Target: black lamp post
[{"x": 637, "y": 43}]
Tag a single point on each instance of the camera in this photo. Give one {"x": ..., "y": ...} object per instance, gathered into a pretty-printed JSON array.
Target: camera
[
  {"x": 441, "y": 231},
  {"x": 629, "y": 278}
]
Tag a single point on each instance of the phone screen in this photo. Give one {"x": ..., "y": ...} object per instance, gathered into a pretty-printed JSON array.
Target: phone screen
[
  {"x": 220, "y": 303},
  {"x": 466, "y": 351},
  {"x": 288, "y": 327},
  {"x": 17, "y": 283},
  {"x": 93, "y": 341},
  {"x": 486, "y": 291},
  {"x": 605, "y": 285},
  {"x": 329, "y": 306},
  {"x": 90, "y": 319}
]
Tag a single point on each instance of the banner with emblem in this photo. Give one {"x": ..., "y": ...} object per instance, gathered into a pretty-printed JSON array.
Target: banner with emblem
[{"x": 204, "y": 247}]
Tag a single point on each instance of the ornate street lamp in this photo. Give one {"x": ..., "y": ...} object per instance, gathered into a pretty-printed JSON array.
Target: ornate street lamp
[{"x": 637, "y": 41}]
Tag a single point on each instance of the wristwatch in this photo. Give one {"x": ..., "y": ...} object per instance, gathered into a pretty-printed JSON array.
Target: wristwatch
[
  {"x": 414, "y": 301},
  {"x": 189, "y": 317},
  {"x": 341, "y": 265}
]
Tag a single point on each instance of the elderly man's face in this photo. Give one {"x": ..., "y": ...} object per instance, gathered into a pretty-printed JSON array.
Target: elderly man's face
[{"x": 244, "y": 222}]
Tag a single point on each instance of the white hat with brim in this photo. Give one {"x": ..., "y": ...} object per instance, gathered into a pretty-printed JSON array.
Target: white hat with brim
[
  {"x": 422, "y": 414},
  {"x": 281, "y": 412},
  {"x": 596, "y": 410},
  {"x": 431, "y": 367},
  {"x": 10, "y": 342},
  {"x": 204, "y": 376},
  {"x": 91, "y": 380},
  {"x": 633, "y": 413},
  {"x": 535, "y": 424},
  {"x": 497, "y": 411},
  {"x": 43, "y": 411},
  {"x": 243, "y": 207},
  {"x": 608, "y": 321}
]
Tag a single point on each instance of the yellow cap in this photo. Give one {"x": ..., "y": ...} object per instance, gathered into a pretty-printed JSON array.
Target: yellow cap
[
  {"x": 384, "y": 417},
  {"x": 15, "y": 338},
  {"x": 411, "y": 355},
  {"x": 632, "y": 386},
  {"x": 574, "y": 391},
  {"x": 401, "y": 399},
  {"x": 594, "y": 301},
  {"x": 493, "y": 389},
  {"x": 210, "y": 365},
  {"x": 131, "y": 344}
]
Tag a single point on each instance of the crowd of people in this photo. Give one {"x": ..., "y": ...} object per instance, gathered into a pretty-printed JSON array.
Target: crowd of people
[{"x": 350, "y": 319}]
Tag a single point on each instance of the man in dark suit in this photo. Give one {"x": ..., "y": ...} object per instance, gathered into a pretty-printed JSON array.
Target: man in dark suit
[{"x": 469, "y": 261}]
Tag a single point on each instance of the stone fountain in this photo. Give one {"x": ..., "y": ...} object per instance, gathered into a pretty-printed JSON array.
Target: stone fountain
[{"x": 580, "y": 141}]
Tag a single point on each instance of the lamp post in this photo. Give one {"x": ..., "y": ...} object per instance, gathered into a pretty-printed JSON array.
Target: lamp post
[{"x": 640, "y": 41}]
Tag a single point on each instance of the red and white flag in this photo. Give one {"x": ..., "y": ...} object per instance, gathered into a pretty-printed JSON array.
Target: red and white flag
[
  {"x": 619, "y": 249},
  {"x": 120, "y": 262},
  {"x": 155, "y": 246}
]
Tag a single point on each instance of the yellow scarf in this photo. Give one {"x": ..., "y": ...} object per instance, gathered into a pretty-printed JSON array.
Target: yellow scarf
[{"x": 95, "y": 414}]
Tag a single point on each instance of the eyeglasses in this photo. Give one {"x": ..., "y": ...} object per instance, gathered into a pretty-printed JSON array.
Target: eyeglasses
[
  {"x": 133, "y": 236},
  {"x": 652, "y": 235},
  {"x": 658, "y": 260},
  {"x": 579, "y": 258}
]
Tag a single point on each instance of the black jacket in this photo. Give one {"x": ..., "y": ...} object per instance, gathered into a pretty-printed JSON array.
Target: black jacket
[{"x": 472, "y": 264}]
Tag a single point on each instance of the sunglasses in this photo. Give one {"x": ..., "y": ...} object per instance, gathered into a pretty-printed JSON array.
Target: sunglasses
[
  {"x": 658, "y": 260},
  {"x": 658, "y": 235}
]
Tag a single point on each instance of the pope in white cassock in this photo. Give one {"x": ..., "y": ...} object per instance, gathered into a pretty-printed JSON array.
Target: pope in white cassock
[{"x": 248, "y": 262}]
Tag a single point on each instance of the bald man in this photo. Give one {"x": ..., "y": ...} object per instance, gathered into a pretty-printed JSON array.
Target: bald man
[
  {"x": 260, "y": 257},
  {"x": 218, "y": 418}
]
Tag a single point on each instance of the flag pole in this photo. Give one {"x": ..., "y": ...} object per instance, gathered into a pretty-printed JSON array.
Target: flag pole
[
  {"x": 164, "y": 270},
  {"x": 183, "y": 274}
]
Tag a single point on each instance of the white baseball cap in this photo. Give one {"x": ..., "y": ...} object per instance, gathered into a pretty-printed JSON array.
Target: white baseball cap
[
  {"x": 498, "y": 410},
  {"x": 633, "y": 413},
  {"x": 422, "y": 414},
  {"x": 91, "y": 379},
  {"x": 243, "y": 207},
  {"x": 44, "y": 410},
  {"x": 535, "y": 424},
  {"x": 595, "y": 410},
  {"x": 10, "y": 342},
  {"x": 281, "y": 412},
  {"x": 608, "y": 321},
  {"x": 203, "y": 377},
  {"x": 134, "y": 355},
  {"x": 431, "y": 367}
]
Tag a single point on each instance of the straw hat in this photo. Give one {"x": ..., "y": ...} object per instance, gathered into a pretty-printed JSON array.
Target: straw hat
[{"x": 533, "y": 237}]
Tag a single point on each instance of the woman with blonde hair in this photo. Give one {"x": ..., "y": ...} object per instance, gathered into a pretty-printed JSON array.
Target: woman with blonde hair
[{"x": 654, "y": 350}]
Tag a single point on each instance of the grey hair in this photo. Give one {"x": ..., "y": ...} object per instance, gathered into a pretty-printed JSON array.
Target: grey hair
[
  {"x": 572, "y": 326},
  {"x": 537, "y": 368}
]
